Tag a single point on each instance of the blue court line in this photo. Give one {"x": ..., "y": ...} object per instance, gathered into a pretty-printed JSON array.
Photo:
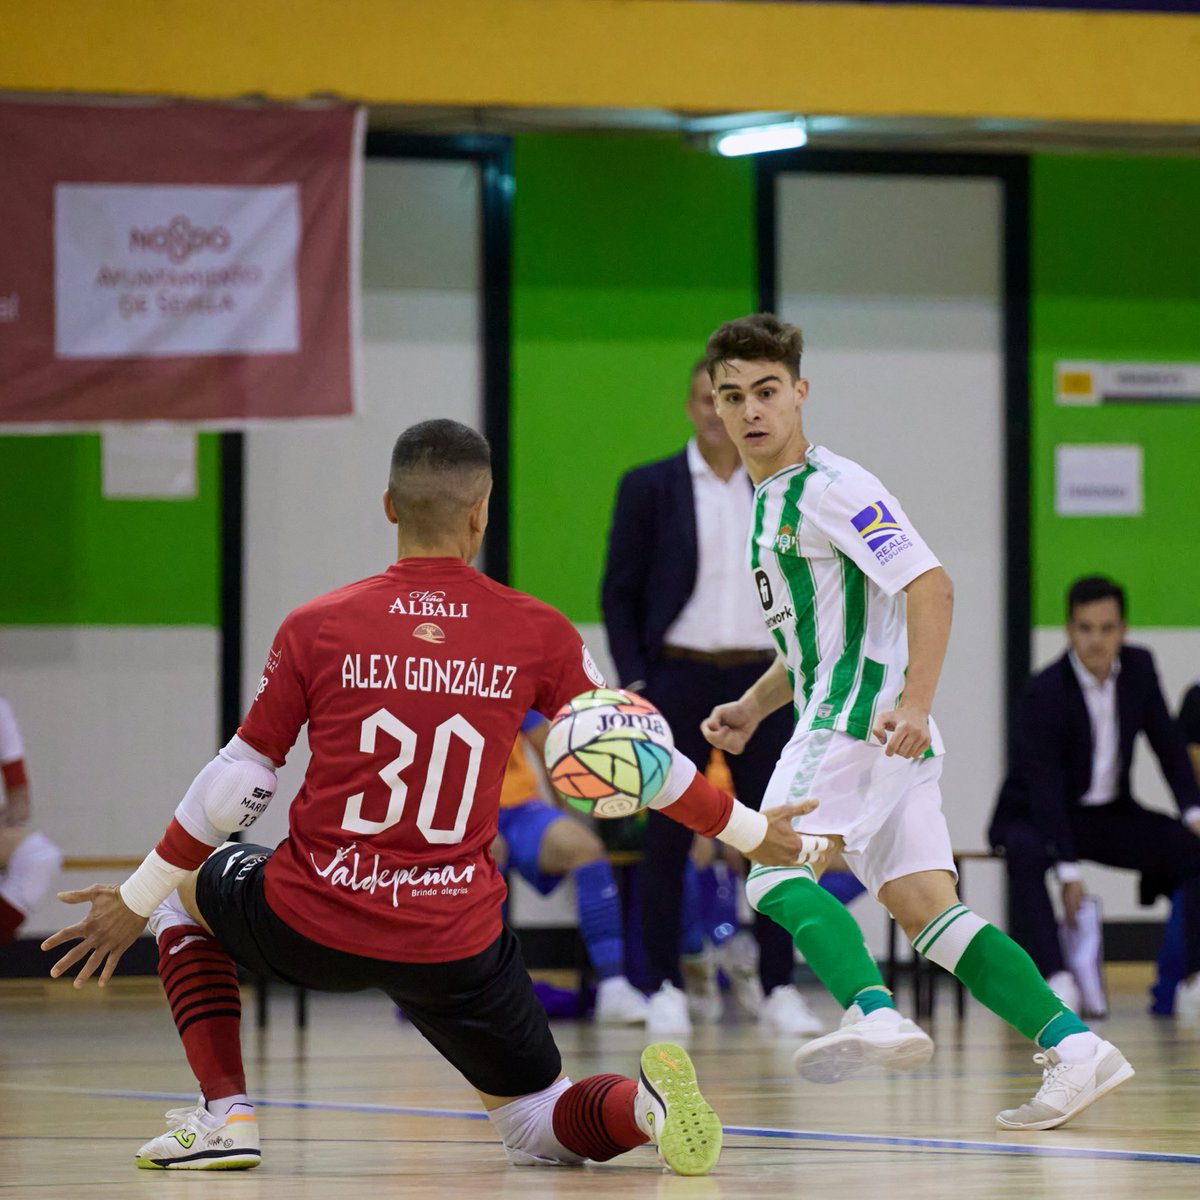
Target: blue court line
[
  {"x": 810, "y": 1135},
  {"x": 873, "y": 1139}
]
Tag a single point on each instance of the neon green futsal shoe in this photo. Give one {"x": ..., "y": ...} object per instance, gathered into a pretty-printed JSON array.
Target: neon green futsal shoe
[{"x": 670, "y": 1109}]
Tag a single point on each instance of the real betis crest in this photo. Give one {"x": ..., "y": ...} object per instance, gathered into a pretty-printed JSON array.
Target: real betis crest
[{"x": 784, "y": 540}]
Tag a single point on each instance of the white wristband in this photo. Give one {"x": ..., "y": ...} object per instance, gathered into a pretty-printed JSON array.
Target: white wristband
[
  {"x": 745, "y": 828},
  {"x": 1068, "y": 872},
  {"x": 151, "y": 884}
]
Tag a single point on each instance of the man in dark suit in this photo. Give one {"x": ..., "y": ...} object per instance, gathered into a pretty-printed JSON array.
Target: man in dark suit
[
  {"x": 685, "y": 626},
  {"x": 1067, "y": 796}
]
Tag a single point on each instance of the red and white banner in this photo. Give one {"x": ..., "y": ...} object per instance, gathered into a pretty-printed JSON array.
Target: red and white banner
[{"x": 181, "y": 262}]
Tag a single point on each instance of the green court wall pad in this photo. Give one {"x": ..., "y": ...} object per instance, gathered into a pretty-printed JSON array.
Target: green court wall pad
[
  {"x": 1116, "y": 276},
  {"x": 72, "y": 557},
  {"x": 629, "y": 251}
]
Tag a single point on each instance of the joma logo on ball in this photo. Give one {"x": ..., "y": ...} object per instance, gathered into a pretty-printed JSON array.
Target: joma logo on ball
[{"x": 652, "y": 724}]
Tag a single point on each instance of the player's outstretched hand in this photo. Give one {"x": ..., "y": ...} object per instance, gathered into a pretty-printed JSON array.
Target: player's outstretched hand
[
  {"x": 108, "y": 930},
  {"x": 730, "y": 726},
  {"x": 783, "y": 846},
  {"x": 908, "y": 730}
]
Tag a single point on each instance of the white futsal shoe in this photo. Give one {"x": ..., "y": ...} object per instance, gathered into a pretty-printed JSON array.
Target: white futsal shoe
[
  {"x": 883, "y": 1038},
  {"x": 785, "y": 1011},
  {"x": 670, "y": 1110},
  {"x": 1187, "y": 999},
  {"x": 198, "y": 1141},
  {"x": 700, "y": 986},
  {"x": 738, "y": 958},
  {"x": 618, "y": 1002},
  {"x": 667, "y": 1012},
  {"x": 1068, "y": 1088}
]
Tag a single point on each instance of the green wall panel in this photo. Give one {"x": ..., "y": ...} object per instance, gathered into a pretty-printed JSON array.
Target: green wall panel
[
  {"x": 629, "y": 251},
  {"x": 1116, "y": 276},
  {"x": 71, "y": 557}
]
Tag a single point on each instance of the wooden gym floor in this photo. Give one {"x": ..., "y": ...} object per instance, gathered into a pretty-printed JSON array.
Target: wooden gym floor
[{"x": 359, "y": 1106}]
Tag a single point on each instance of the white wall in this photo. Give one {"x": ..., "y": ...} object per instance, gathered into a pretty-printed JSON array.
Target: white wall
[
  {"x": 116, "y": 722},
  {"x": 896, "y": 282},
  {"x": 314, "y": 509}
]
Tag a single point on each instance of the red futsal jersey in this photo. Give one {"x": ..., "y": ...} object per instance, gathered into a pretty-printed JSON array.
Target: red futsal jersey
[{"x": 414, "y": 684}]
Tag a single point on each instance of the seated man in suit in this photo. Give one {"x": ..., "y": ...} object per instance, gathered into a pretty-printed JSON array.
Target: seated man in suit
[{"x": 1067, "y": 796}]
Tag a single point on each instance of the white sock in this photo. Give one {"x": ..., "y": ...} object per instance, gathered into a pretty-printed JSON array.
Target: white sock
[
  {"x": 1078, "y": 1047},
  {"x": 224, "y": 1106},
  {"x": 169, "y": 915}
]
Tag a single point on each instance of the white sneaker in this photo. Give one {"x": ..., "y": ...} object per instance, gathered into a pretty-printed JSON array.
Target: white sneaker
[
  {"x": 785, "y": 1011},
  {"x": 1068, "y": 1088},
  {"x": 883, "y": 1037},
  {"x": 1063, "y": 985},
  {"x": 670, "y": 1110},
  {"x": 1187, "y": 999},
  {"x": 738, "y": 958},
  {"x": 618, "y": 1002},
  {"x": 700, "y": 986},
  {"x": 198, "y": 1141},
  {"x": 667, "y": 1012}
]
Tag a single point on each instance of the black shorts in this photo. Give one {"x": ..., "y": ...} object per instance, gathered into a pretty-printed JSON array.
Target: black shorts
[{"x": 479, "y": 1013}]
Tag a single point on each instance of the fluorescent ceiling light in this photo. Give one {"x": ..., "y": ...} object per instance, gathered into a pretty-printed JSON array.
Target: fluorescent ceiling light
[{"x": 758, "y": 139}]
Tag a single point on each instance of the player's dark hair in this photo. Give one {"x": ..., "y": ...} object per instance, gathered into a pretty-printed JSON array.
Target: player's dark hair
[
  {"x": 700, "y": 365},
  {"x": 1091, "y": 588},
  {"x": 439, "y": 469},
  {"x": 760, "y": 337}
]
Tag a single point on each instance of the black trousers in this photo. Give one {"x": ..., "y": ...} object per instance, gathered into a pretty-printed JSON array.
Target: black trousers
[
  {"x": 1120, "y": 834},
  {"x": 686, "y": 692}
]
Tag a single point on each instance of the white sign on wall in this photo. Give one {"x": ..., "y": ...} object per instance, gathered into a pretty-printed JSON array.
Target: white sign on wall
[
  {"x": 158, "y": 271},
  {"x": 1098, "y": 481},
  {"x": 1127, "y": 383}
]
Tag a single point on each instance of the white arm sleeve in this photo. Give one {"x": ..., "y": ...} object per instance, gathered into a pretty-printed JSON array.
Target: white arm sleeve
[
  {"x": 229, "y": 794},
  {"x": 745, "y": 828}
]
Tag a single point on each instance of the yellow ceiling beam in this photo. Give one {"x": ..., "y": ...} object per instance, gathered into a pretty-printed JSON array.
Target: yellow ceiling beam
[{"x": 680, "y": 54}]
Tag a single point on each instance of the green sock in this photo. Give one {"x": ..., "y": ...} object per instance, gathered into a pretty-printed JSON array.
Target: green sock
[
  {"x": 830, "y": 940},
  {"x": 998, "y": 973}
]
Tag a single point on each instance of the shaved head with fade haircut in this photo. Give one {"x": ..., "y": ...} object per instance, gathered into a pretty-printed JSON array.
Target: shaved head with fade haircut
[{"x": 440, "y": 470}]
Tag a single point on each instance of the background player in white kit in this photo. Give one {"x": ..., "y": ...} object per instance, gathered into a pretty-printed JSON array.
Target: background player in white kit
[
  {"x": 860, "y": 610},
  {"x": 29, "y": 860},
  {"x": 413, "y": 684}
]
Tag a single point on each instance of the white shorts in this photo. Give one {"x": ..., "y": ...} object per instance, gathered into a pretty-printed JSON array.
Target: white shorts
[{"x": 888, "y": 811}]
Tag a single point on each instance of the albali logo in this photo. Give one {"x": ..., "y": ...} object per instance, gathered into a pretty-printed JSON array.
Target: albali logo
[{"x": 179, "y": 239}]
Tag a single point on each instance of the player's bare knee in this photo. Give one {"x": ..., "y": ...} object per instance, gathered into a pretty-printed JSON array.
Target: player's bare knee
[{"x": 568, "y": 845}]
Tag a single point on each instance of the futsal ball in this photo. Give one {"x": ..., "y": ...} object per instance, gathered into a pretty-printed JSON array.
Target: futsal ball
[{"x": 608, "y": 752}]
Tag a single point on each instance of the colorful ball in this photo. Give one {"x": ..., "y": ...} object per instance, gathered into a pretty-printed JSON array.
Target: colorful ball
[{"x": 608, "y": 752}]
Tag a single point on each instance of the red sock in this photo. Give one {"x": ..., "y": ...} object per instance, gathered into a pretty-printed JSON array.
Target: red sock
[
  {"x": 201, "y": 985},
  {"x": 594, "y": 1117},
  {"x": 11, "y": 919}
]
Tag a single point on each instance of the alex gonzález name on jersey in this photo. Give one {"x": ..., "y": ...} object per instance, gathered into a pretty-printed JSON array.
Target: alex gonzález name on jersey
[{"x": 416, "y": 673}]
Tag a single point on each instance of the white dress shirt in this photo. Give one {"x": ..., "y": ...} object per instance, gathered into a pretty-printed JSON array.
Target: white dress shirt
[
  {"x": 1100, "y": 696},
  {"x": 723, "y": 611}
]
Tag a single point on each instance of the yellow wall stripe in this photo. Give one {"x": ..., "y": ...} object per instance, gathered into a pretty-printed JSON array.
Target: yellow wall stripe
[{"x": 686, "y": 54}]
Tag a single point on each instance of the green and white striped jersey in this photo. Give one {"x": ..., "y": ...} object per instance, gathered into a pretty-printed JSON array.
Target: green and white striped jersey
[{"x": 831, "y": 550}]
